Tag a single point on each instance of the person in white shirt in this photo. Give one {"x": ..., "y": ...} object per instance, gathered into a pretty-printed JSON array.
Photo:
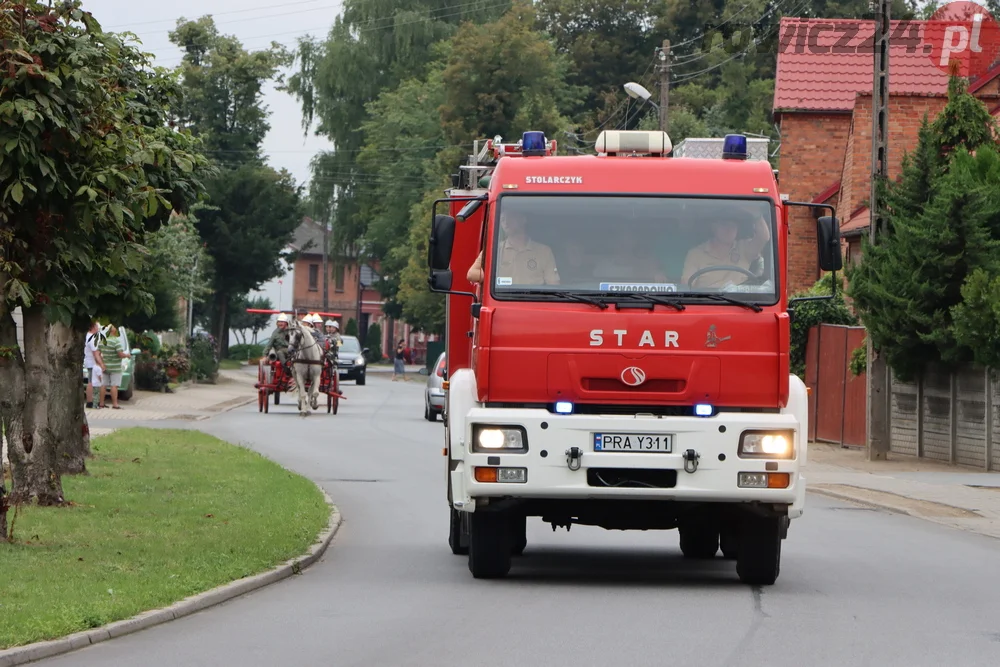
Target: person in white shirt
[{"x": 93, "y": 362}]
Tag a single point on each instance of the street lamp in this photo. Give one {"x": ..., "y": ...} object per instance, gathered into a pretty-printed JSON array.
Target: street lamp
[{"x": 638, "y": 92}]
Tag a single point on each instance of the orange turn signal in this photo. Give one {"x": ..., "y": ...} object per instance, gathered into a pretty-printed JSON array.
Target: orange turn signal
[
  {"x": 486, "y": 474},
  {"x": 444, "y": 385},
  {"x": 777, "y": 480}
]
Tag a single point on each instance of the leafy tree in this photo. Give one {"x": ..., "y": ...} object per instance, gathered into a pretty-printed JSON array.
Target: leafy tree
[
  {"x": 179, "y": 268},
  {"x": 373, "y": 47},
  {"x": 252, "y": 217},
  {"x": 242, "y": 322},
  {"x": 607, "y": 44},
  {"x": 423, "y": 309},
  {"x": 404, "y": 136},
  {"x": 223, "y": 85},
  {"x": 88, "y": 166},
  {"x": 254, "y": 209},
  {"x": 502, "y": 78}
]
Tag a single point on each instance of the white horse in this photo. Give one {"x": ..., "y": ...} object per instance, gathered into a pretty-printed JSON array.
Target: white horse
[{"x": 307, "y": 363}]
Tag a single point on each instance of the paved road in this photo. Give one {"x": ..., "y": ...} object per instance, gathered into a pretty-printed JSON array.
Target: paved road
[{"x": 858, "y": 587}]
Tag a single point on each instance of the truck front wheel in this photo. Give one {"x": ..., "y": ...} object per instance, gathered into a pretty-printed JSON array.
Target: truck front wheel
[
  {"x": 758, "y": 560},
  {"x": 489, "y": 545}
]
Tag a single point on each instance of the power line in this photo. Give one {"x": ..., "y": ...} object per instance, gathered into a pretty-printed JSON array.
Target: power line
[{"x": 233, "y": 11}]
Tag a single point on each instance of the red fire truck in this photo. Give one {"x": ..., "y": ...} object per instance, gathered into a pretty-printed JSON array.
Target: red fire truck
[{"x": 618, "y": 348}]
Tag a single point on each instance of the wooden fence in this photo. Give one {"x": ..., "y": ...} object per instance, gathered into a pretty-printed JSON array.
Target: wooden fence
[
  {"x": 837, "y": 400},
  {"x": 950, "y": 415}
]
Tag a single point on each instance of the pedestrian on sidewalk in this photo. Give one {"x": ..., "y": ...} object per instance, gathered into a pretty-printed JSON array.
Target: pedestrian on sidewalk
[
  {"x": 93, "y": 362},
  {"x": 113, "y": 353},
  {"x": 399, "y": 363}
]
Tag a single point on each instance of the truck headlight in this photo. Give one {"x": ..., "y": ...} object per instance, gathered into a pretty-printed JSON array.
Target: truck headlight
[
  {"x": 488, "y": 438},
  {"x": 767, "y": 444}
]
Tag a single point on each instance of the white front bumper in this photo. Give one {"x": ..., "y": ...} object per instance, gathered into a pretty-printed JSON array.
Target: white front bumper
[{"x": 549, "y": 474}]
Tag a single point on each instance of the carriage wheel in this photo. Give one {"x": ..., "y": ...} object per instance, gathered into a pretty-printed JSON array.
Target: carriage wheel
[
  {"x": 266, "y": 402},
  {"x": 277, "y": 398},
  {"x": 261, "y": 400},
  {"x": 329, "y": 404}
]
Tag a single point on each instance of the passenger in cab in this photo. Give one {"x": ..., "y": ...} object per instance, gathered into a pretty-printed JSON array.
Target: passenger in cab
[
  {"x": 725, "y": 248},
  {"x": 522, "y": 260}
]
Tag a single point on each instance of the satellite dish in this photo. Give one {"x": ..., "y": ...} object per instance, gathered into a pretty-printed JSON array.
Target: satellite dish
[{"x": 636, "y": 91}]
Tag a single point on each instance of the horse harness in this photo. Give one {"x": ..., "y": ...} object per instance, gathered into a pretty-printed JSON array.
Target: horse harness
[{"x": 309, "y": 362}]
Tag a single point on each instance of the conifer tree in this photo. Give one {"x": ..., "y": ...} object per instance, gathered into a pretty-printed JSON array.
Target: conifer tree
[{"x": 941, "y": 214}]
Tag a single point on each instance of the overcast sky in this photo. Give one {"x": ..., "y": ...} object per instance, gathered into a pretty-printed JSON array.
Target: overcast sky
[{"x": 256, "y": 23}]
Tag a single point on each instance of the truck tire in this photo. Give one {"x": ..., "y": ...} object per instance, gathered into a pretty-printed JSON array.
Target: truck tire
[
  {"x": 518, "y": 534},
  {"x": 458, "y": 533},
  {"x": 699, "y": 542},
  {"x": 758, "y": 561},
  {"x": 729, "y": 541},
  {"x": 489, "y": 545}
]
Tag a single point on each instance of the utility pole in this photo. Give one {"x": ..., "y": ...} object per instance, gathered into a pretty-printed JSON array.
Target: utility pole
[
  {"x": 878, "y": 374},
  {"x": 664, "y": 57},
  {"x": 326, "y": 267}
]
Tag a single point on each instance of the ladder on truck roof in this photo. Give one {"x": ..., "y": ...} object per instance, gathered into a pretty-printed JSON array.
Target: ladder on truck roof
[{"x": 481, "y": 163}]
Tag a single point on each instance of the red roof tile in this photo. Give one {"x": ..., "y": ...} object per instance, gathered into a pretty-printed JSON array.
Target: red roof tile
[
  {"x": 822, "y": 197},
  {"x": 809, "y": 80},
  {"x": 857, "y": 222}
]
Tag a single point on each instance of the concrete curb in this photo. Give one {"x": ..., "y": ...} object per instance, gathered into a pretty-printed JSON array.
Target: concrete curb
[
  {"x": 955, "y": 523},
  {"x": 21, "y": 655}
]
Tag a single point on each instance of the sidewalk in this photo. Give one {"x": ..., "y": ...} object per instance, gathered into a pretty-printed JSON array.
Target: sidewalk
[
  {"x": 191, "y": 402},
  {"x": 956, "y": 496}
]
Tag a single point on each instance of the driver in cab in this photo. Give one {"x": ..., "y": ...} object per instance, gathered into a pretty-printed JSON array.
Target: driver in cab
[
  {"x": 522, "y": 260},
  {"x": 725, "y": 249}
]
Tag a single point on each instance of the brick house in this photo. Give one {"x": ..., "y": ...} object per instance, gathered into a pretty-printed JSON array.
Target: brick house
[
  {"x": 350, "y": 291},
  {"x": 823, "y": 105}
]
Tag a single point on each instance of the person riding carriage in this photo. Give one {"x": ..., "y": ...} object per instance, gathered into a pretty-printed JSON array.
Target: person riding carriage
[
  {"x": 334, "y": 341},
  {"x": 278, "y": 343}
]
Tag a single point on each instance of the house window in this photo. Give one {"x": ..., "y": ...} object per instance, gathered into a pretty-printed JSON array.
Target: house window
[
  {"x": 341, "y": 272},
  {"x": 313, "y": 277}
]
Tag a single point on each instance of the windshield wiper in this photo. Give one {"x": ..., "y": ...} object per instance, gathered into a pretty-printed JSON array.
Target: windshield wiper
[
  {"x": 569, "y": 295},
  {"x": 652, "y": 299},
  {"x": 722, "y": 297}
]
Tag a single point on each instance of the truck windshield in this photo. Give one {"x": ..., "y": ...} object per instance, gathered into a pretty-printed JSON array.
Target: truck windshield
[{"x": 682, "y": 246}]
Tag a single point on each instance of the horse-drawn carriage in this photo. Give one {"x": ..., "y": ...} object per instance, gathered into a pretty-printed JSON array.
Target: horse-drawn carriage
[{"x": 308, "y": 369}]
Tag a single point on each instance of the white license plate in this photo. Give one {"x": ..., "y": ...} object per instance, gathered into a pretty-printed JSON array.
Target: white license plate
[{"x": 633, "y": 442}]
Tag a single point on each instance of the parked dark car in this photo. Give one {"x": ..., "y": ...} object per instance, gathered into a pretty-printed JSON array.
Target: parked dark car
[{"x": 351, "y": 360}]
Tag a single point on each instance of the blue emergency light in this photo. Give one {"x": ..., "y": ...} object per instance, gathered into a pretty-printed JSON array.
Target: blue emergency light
[
  {"x": 564, "y": 407},
  {"x": 704, "y": 410},
  {"x": 734, "y": 147},
  {"x": 533, "y": 143}
]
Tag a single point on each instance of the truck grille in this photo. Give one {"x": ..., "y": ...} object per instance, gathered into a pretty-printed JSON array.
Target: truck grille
[{"x": 646, "y": 478}]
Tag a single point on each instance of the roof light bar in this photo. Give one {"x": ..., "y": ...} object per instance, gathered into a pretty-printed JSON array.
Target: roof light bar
[{"x": 633, "y": 142}]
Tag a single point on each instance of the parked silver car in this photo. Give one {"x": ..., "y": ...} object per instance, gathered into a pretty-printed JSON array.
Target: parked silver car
[{"x": 434, "y": 392}]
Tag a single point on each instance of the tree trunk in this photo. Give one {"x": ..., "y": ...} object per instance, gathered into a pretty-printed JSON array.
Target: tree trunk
[
  {"x": 33, "y": 446},
  {"x": 222, "y": 323},
  {"x": 67, "y": 418},
  {"x": 11, "y": 396}
]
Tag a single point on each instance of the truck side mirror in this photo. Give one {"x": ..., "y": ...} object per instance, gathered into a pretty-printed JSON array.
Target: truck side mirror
[
  {"x": 828, "y": 242},
  {"x": 440, "y": 246},
  {"x": 440, "y": 281}
]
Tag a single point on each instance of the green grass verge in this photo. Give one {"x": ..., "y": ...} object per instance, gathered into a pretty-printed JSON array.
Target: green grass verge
[
  {"x": 231, "y": 364},
  {"x": 164, "y": 514}
]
